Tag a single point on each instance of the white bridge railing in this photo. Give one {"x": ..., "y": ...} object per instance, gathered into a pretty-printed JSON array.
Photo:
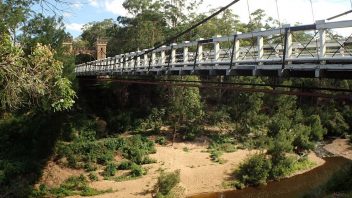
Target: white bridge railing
[{"x": 304, "y": 47}]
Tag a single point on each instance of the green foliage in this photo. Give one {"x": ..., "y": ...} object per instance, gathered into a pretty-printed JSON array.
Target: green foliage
[
  {"x": 317, "y": 130},
  {"x": 218, "y": 117},
  {"x": 93, "y": 176},
  {"x": 125, "y": 165},
  {"x": 121, "y": 122},
  {"x": 192, "y": 131},
  {"x": 137, "y": 170},
  {"x": 334, "y": 122},
  {"x": 161, "y": 140},
  {"x": 137, "y": 149},
  {"x": 80, "y": 154},
  {"x": 37, "y": 77},
  {"x": 153, "y": 123},
  {"x": 281, "y": 166},
  {"x": 70, "y": 187},
  {"x": 220, "y": 144},
  {"x": 166, "y": 182},
  {"x": 22, "y": 156},
  {"x": 110, "y": 170},
  {"x": 255, "y": 170}
]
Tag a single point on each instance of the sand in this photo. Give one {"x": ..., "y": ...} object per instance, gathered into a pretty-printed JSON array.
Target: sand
[
  {"x": 198, "y": 173},
  {"x": 340, "y": 147}
]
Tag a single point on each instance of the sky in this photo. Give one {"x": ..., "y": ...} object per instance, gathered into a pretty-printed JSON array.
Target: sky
[{"x": 80, "y": 12}]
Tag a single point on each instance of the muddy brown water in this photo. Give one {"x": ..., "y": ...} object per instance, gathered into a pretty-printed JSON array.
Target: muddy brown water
[{"x": 293, "y": 187}]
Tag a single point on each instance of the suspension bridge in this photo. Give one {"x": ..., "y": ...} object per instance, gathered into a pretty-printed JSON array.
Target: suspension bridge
[
  {"x": 275, "y": 52},
  {"x": 312, "y": 51}
]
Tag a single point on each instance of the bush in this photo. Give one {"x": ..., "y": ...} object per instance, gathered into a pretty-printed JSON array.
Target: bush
[
  {"x": 161, "y": 140},
  {"x": 255, "y": 170},
  {"x": 121, "y": 122},
  {"x": 137, "y": 170},
  {"x": 281, "y": 166},
  {"x": 217, "y": 117},
  {"x": 192, "y": 131},
  {"x": 70, "y": 187},
  {"x": 166, "y": 182},
  {"x": 124, "y": 165},
  {"x": 93, "y": 176},
  {"x": 110, "y": 170}
]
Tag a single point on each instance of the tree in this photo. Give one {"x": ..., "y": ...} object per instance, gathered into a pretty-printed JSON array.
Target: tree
[
  {"x": 94, "y": 30},
  {"x": 184, "y": 105},
  {"x": 33, "y": 81}
]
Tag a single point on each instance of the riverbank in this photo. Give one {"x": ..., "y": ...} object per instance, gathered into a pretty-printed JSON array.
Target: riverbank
[{"x": 198, "y": 173}]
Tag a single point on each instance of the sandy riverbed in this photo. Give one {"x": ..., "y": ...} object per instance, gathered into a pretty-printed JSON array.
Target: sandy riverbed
[{"x": 198, "y": 173}]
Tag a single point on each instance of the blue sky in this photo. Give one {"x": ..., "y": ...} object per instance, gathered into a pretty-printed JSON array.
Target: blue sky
[{"x": 80, "y": 12}]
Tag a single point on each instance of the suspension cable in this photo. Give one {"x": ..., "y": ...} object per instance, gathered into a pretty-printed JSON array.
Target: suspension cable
[
  {"x": 172, "y": 39},
  {"x": 278, "y": 12},
  {"x": 312, "y": 9}
]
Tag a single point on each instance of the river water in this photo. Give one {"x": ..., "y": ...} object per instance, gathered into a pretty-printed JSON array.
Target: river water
[{"x": 293, "y": 187}]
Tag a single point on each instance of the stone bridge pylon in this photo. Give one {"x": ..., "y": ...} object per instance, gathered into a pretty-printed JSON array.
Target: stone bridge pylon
[{"x": 98, "y": 53}]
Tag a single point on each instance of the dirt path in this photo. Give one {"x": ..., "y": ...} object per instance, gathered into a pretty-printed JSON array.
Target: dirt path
[{"x": 340, "y": 147}]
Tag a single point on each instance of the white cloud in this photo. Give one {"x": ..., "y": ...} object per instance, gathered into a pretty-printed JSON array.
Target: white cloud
[
  {"x": 76, "y": 5},
  {"x": 93, "y": 3},
  {"x": 115, "y": 7},
  {"x": 67, "y": 14},
  {"x": 77, "y": 27}
]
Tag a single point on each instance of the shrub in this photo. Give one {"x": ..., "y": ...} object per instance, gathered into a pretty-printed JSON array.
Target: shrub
[
  {"x": 93, "y": 176},
  {"x": 215, "y": 155},
  {"x": 121, "y": 122},
  {"x": 220, "y": 116},
  {"x": 72, "y": 186},
  {"x": 166, "y": 182},
  {"x": 110, "y": 170},
  {"x": 124, "y": 165},
  {"x": 137, "y": 170},
  {"x": 281, "y": 166},
  {"x": 192, "y": 131},
  {"x": 255, "y": 170},
  {"x": 90, "y": 166},
  {"x": 161, "y": 140}
]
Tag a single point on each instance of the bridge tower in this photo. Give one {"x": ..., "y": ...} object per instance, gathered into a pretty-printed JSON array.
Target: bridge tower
[
  {"x": 68, "y": 44},
  {"x": 101, "y": 45}
]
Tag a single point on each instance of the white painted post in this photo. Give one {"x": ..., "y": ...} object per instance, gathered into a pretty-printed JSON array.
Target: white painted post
[
  {"x": 138, "y": 64},
  {"x": 322, "y": 41},
  {"x": 121, "y": 61},
  {"x": 173, "y": 54},
  {"x": 153, "y": 59},
  {"x": 289, "y": 47},
  {"x": 162, "y": 55},
  {"x": 200, "y": 51},
  {"x": 132, "y": 62},
  {"x": 126, "y": 62},
  {"x": 117, "y": 59},
  {"x": 145, "y": 59},
  {"x": 185, "y": 52},
  {"x": 260, "y": 48},
  {"x": 216, "y": 49},
  {"x": 236, "y": 53}
]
